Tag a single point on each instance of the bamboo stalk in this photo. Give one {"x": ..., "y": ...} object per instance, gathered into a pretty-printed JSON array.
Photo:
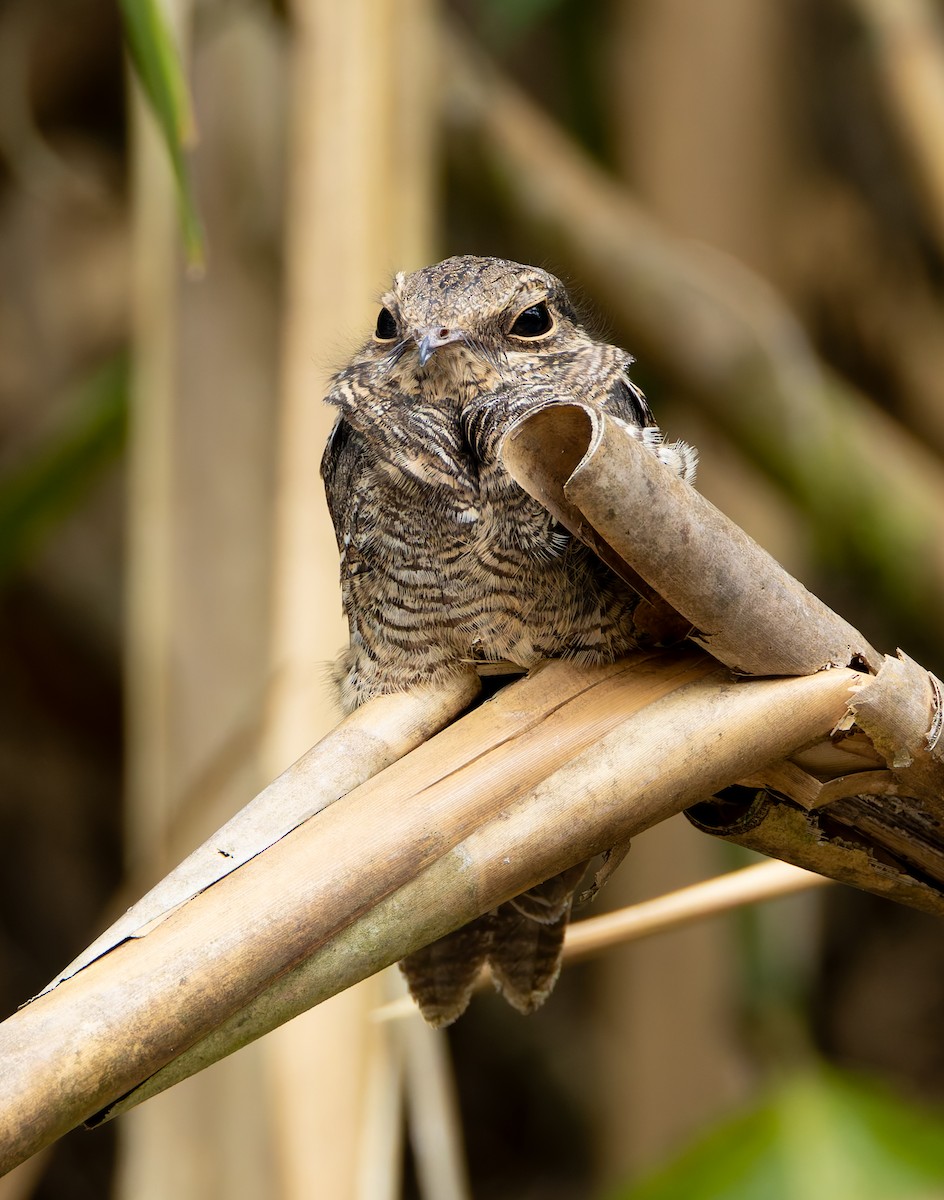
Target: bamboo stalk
[
  {"x": 152, "y": 432},
  {"x": 22, "y": 1182},
  {"x": 360, "y": 206},
  {"x": 155, "y": 616},
  {"x": 750, "y": 885},
  {"x": 380, "y": 1166},
  {"x": 362, "y": 745},
  {"x": 909, "y": 46},
  {"x": 435, "y": 1120},
  {"x": 742, "y": 606},
  {"x": 844, "y": 842},
  {"x": 351, "y": 890}
]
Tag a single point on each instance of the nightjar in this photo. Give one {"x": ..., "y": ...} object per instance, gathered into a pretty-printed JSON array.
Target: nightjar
[{"x": 446, "y": 561}]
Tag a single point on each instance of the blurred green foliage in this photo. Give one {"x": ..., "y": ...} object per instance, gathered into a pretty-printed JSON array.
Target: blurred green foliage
[
  {"x": 509, "y": 19},
  {"x": 44, "y": 487},
  {"x": 820, "y": 1135}
]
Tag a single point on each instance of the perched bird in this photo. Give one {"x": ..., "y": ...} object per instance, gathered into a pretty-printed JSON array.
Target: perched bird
[{"x": 446, "y": 561}]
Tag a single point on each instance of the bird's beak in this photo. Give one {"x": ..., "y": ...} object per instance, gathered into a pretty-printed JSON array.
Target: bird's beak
[{"x": 431, "y": 339}]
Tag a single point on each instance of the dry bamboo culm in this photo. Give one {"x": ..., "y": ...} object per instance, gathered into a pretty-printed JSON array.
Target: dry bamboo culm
[
  {"x": 866, "y": 808},
  {"x": 388, "y": 834}
]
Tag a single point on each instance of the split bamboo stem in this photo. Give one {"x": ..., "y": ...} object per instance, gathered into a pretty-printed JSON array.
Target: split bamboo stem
[
  {"x": 353, "y": 888},
  {"x": 359, "y": 747}
]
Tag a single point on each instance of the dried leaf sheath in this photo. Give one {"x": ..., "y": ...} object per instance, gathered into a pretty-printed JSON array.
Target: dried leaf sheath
[{"x": 740, "y": 604}]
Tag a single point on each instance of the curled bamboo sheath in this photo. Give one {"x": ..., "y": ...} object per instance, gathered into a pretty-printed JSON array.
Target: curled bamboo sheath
[{"x": 741, "y": 605}]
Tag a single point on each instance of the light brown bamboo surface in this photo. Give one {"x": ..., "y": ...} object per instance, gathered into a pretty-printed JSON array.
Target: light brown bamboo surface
[
  {"x": 552, "y": 771},
  {"x": 361, "y": 186},
  {"x": 907, "y": 40},
  {"x": 360, "y": 746}
]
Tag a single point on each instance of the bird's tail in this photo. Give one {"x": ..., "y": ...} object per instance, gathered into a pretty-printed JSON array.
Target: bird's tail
[{"x": 521, "y": 941}]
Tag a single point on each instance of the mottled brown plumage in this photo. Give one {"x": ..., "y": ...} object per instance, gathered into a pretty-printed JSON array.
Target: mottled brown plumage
[{"x": 445, "y": 560}]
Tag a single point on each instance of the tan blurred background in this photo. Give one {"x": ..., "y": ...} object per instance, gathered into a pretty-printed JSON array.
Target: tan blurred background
[{"x": 748, "y": 196}]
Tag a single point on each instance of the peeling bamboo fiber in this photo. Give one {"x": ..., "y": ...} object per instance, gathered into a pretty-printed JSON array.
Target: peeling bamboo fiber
[
  {"x": 361, "y": 745},
  {"x": 552, "y": 771},
  {"x": 742, "y": 606},
  {"x": 902, "y": 712},
  {"x": 850, "y": 852}
]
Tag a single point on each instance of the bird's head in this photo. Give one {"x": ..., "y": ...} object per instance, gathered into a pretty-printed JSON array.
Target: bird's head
[{"x": 467, "y": 315}]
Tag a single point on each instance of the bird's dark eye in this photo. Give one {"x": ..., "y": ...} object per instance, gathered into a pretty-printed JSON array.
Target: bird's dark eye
[
  {"x": 386, "y": 329},
  {"x": 533, "y": 321}
]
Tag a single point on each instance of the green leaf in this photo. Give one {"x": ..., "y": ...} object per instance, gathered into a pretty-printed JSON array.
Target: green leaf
[
  {"x": 156, "y": 63},
  {"x": 819, "y": 1136},
  {"x": 511, "y": 19},
  {"x": 41, "y": 490}
]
